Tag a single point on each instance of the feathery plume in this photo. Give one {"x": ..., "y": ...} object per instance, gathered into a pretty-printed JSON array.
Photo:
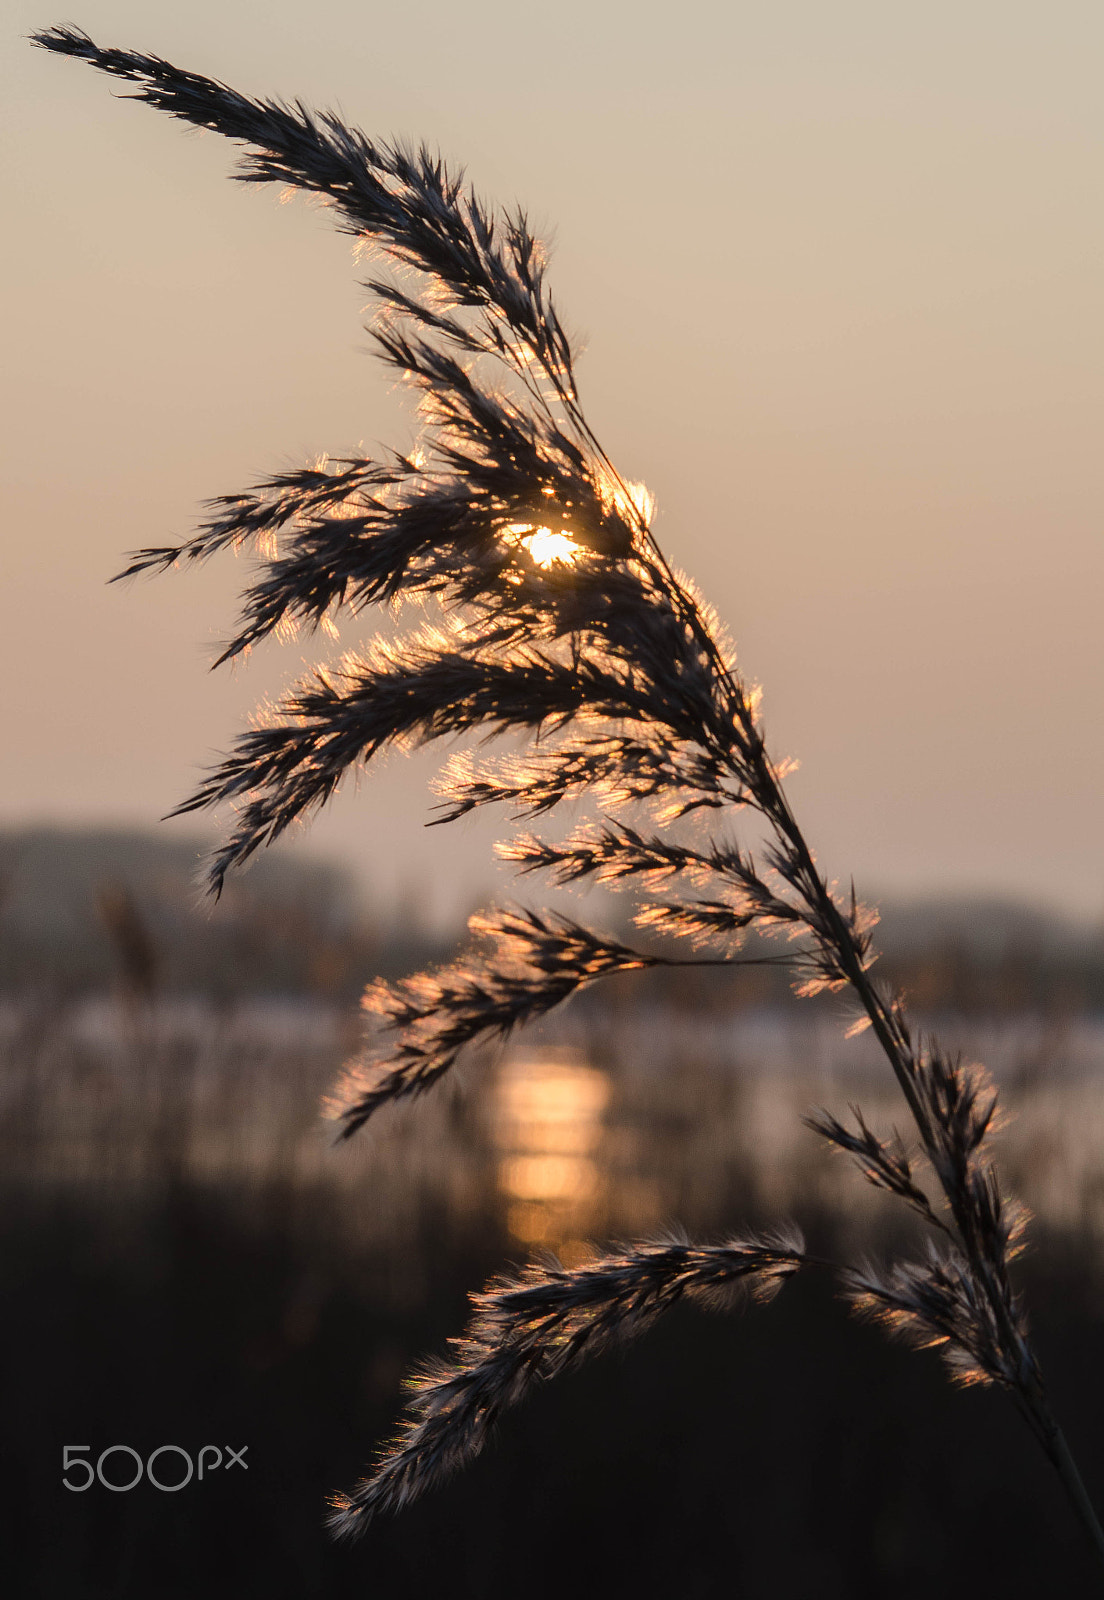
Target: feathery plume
[{"x": 542, "y": 1324}]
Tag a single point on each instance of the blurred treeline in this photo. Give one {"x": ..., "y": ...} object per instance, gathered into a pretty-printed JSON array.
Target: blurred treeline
[{"x": 87, "y": 911}]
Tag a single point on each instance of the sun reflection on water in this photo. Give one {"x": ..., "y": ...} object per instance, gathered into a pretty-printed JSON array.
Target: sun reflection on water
[
  {"x": 682, "y": 1125},
  {"x": 548, "y": 1129}
]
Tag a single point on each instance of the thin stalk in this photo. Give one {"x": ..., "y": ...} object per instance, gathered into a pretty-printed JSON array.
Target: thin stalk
[
  {"x": 1031, "y": 1394},
  {"x": 1066, "y": 1467}
]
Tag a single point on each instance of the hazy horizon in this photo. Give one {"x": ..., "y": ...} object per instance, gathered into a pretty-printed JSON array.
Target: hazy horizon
[{"x": 839, "y": 272}]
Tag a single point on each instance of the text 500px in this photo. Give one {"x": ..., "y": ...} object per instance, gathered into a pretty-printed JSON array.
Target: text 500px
[{"x": 168, "y": 1468}]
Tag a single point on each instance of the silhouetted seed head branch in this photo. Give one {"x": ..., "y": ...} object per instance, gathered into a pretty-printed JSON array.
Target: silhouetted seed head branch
[
  {"x": 421, "y": 688},
  {"x": 532, "y": 963},
  {"x": 408, "y": 202},
  {"x": 259, "y": 514},
  {"x": 615, "y": 853},
  {"x": 936, "y": 1302},
  {"x": 540, "y": 1325},
  {"x": 619, "y": 768},
  {"x": 529, "y": 963},
  {"x": 564, "y": 623},
  {"x": 612, "y": 850},
  {"x": 884, "y": 1163}
]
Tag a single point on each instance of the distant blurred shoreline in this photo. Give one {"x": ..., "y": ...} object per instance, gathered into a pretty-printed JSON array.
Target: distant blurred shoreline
[{"x": 115, "y": 910}]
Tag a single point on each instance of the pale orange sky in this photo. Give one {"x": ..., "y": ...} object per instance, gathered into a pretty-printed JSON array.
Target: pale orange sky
[{"x": 839, "y": 273}]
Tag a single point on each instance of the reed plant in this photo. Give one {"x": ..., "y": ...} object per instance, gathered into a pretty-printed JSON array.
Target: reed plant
[{"x": 550, "y": 613}]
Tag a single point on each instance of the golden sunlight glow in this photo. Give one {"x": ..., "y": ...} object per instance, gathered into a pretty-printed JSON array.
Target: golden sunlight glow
[
  {"x": 544, "y": 545},
  {"x": 548, "y": 1129},
  {"x": 633, "y": 502}
]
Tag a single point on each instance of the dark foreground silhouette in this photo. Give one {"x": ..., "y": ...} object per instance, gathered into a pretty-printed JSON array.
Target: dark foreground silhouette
[{"x": 778, "y": 1451}]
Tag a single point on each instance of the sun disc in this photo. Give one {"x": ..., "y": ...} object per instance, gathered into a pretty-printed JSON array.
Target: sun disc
[{"x": 545, "y": 545}]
